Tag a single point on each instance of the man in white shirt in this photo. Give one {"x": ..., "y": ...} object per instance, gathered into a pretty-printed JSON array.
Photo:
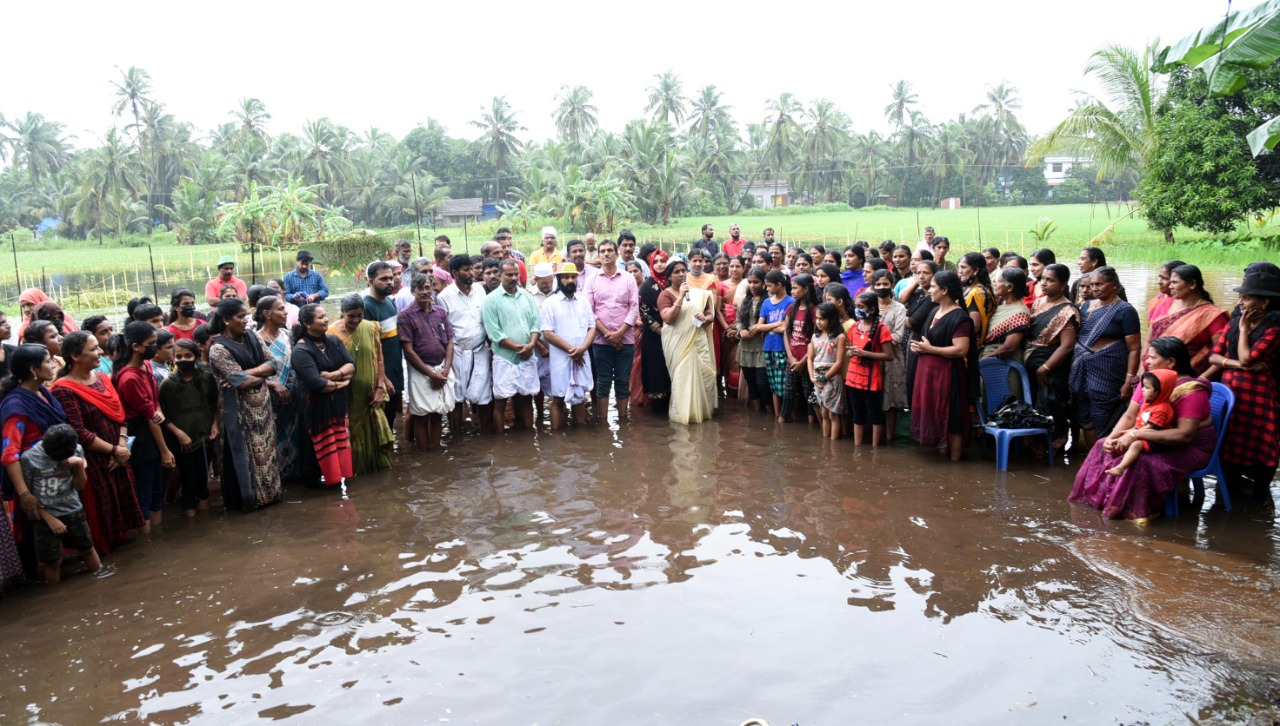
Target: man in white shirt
[
  {"x": 927, "y": 242},
  {"x": 570, "y": 328},
  {"x": 543, "y": 287},
  {"x": 463, "y": 302}
]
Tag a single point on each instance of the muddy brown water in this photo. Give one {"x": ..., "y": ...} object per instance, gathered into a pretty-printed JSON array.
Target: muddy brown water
[{"x": 655, "y": 573}]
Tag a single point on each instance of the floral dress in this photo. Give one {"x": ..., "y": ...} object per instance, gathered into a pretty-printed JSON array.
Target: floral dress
[{"x": 828, "y": 394}]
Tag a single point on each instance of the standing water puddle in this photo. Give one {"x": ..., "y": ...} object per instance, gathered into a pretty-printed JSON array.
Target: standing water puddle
[{"x": 689, "y": 576}]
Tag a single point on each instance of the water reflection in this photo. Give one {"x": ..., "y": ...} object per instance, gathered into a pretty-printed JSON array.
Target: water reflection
[{"x": 691, "y": 574}]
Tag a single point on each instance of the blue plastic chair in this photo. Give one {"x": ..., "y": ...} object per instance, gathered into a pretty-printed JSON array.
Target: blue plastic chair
[
  {"x": 1221, "y": 402},
  {"x": 995, "y": 380}
]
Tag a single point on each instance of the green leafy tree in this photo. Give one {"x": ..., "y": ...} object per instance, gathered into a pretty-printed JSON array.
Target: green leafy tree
[
  {"x": 1029, "y": 185},
  {"x": 1072, "y": 190},
  {"x": 1204, "y": 175},
  {"x": 1243, "y": 40},
  {"x": 193, "y": 214}
]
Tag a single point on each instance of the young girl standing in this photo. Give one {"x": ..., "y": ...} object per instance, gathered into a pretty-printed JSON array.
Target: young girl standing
[
  {"x": 140, "y": 395},
  {"x": 870, "y": 345},
  {"x": 751, "y": 356},
  {"x": 826, "y": 368},
  {"x": 771, "y": 324},
  {"x": 189, "y": 400},
  {"x": 799, "y": 329}
]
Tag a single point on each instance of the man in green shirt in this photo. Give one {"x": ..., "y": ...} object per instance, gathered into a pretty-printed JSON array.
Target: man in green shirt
[{"x": 512, "y": 323}]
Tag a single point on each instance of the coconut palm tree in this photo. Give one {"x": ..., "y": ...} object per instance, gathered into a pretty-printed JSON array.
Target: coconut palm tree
[
  {"x": 132, "y": 93},
  {"x": 499, "y": 138},
  {"x": 949, "y": 153},
  {"x": 252, "y": 117},
  {"x": 784, "y": 133},
  {"x": 913, "y": 139},
  {"x": 666, "y": 102},
  {"x": 825, "y": 138},
  {"x": 108, "y": 186},
  {"x": 871, "y": 153},
  {"x": 168, "y": 147},
  {"x": 899, "y": 110},
  {"x": 1004, "y": 135},
  {"x": 1119, "y": 131},
  {"x": 575, "y": 114},
  {"x": 323, "y": 158},
  {"x": 708, "y": 113},
  {"x": 37, "y": 146}
]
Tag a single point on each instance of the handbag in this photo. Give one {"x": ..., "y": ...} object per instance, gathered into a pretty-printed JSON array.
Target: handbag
[{"x": 1016, "y": 414}]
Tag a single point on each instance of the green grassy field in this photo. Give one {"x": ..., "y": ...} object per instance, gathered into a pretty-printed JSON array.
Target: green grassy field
[{"x": 1007, "y": 228}]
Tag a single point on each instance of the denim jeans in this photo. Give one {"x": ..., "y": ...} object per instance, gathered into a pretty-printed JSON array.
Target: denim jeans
[
  {"x": 148, "y": 478},
  {"x": 613, "y": 365}
]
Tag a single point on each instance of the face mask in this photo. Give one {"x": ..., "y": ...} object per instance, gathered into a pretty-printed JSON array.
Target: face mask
[
  {"x": 860, "y": 314},
  {"x": 883, "y": 292},
  {"x": 695, "y": 273},
  {"x": 186, "y": 366},
  {"x": 149, "y": 352},
  {"x": 188, "y": 311},
  {"x": 569, "y": 288}
]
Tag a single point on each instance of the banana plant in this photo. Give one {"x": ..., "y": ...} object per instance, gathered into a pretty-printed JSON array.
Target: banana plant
[{"x": 1242, "y": 40}]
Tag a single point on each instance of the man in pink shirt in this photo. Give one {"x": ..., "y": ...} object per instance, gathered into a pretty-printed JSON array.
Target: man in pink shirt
[
  {"x": 615, "y": 303},
  {"x": 226, "y": 276}
]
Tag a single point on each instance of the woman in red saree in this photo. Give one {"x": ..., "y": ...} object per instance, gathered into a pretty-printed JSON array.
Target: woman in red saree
[{"x": 1190, "y": 316}]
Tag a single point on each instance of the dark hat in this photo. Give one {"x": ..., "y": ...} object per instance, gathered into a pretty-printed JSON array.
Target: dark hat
[
  {"x": 1262, "y": 267},
  {"x": 1263, "y": 283},
  {"x": 304, "y": 256}
]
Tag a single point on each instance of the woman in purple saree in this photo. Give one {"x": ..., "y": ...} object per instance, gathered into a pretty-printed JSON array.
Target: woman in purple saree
[{"x": 1139, "y": 492}]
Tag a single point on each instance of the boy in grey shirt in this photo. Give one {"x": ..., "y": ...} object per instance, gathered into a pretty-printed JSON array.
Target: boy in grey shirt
[{"x": 55, "y": 473}]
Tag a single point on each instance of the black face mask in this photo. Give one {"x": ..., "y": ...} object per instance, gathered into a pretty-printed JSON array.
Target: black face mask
[
  {"x": 883, "y": 292},
  {"x": 149, "y": 352},
  {"x": 186, "y": 366},
  {"x": 569, "y": 288},
  {"x": 188, "y": 311}
]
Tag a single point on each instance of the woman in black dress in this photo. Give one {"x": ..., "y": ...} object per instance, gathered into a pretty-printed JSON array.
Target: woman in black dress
[{"x": 325, "y": 369}]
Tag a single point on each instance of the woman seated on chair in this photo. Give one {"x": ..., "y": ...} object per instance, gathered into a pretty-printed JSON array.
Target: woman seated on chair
[{"x": 1139, "y": 492}]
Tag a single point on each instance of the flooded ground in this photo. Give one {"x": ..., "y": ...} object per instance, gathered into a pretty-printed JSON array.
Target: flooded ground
[{"x": 662, "y": 574}]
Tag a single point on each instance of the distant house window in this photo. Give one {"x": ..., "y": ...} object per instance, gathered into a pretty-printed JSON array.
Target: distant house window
[{"x": 1057, "y": 168}]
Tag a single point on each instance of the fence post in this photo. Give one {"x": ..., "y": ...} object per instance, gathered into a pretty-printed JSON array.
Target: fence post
[{"x": 17, "y": 276}]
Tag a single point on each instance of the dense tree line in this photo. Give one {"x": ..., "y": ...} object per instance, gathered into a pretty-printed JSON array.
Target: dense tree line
[{"x": 689, "y": 154}]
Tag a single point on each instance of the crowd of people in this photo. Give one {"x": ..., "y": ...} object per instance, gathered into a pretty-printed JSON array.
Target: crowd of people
[{"x": 103, "y": 427}]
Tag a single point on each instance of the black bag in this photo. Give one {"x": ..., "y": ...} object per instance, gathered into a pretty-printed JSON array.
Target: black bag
[{"x": 1015, "y": 414}]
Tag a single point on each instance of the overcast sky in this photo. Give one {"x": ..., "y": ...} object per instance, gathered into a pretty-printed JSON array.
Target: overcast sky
[{"x": 393, "y": 65}]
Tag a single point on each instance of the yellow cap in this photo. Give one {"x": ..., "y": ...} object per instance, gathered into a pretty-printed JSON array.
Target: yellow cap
[{"x": 567, "y": 268}]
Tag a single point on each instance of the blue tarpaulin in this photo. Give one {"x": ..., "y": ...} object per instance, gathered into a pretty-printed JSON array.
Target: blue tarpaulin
[{"x": 48, "y": 224}]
